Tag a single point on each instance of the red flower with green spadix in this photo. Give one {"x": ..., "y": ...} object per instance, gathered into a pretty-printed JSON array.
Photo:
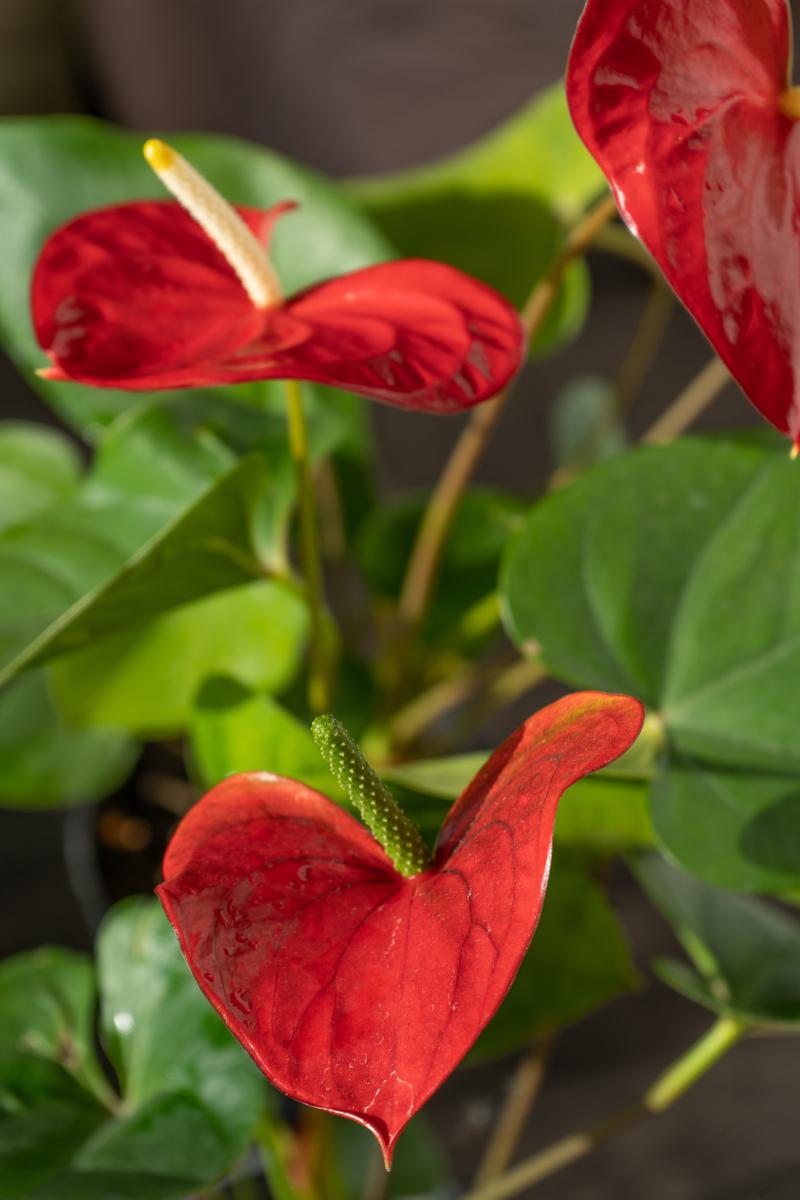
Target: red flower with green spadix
[
  {"x": 355, "y": 969},
  {"x": 688, "y": 108},
  {"x": 154, "y": 295}
]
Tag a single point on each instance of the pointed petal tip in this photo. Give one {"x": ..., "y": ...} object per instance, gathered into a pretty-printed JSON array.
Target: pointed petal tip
[{"x": 51, "y": 374}]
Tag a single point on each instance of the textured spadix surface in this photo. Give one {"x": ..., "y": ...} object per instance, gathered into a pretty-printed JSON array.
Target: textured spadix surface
[
  {"x": 355, "y": 989},
  {"x": 682, "y": 104}
]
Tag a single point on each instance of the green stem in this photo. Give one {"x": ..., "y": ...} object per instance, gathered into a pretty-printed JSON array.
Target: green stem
[
  {"x": 320, "y": 666},
  {"x": 668, "y": 1088},
  {"x": 423, "y": 566}
]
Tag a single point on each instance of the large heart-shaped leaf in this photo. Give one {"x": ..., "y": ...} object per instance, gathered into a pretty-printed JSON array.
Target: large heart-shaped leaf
[
  {"x": 684, "y": 105},
  {"x": 355, "y": 988},
  {"x": 745, "y": 952},
  {"x": 672, "y": 572},
  {"x": 52, "y": 169},
  {"x": 190, "y": 1097}
]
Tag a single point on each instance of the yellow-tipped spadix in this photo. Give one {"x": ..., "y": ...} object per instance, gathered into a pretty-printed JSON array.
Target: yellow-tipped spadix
[{"x": 219, "y": 220}]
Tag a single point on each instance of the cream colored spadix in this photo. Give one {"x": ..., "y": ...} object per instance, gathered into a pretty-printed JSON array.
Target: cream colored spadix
[{"x": 218, "y": 220}]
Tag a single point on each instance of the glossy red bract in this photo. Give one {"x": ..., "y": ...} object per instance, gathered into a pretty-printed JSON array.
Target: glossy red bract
[
  {"x": 137, "y": 297},
  {"x": 680, "y": 103},
  {"x": 355, "y": 989}
]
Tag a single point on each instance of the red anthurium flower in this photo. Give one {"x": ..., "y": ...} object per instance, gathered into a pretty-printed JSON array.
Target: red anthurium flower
[
  {"x": 687, "y": 108},
  {"x": 159, "y": 295},
  {"x": 357, "y": 989}
]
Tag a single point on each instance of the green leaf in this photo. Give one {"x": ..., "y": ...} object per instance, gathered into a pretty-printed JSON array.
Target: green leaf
[
  {"x": 162, "y": 518},
  {"x": 146, "y": 680},
  {"x": 47, "y": 1000},
  {"x": 597, "y": 573},
  {"x": 51, "y": 169},
  {"x": 737, "y": 829},
  {"x": 735, "y": 651},
  {"x": 38, "y": 468},
  {"x": 190, "y": 1095},
  {"x": 498, "y": 208},
  {"x": 235, "y": 730},
  {"x": 673, "y": 573},
  {"x": 585, "y": 426},
  {"x": 536, "y": 153},
  {"x": 508, "y": 240},
  {"x": 745, "y": 952},
  {"x": 484, "y": 523},
  {"x": 603, "y": 814},
  {"x": 578, "y": 961},
  {"x": 46, "y": 764}
]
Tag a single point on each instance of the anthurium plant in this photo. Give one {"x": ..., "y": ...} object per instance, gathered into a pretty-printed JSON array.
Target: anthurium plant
[{"x": 357, "y": 892}]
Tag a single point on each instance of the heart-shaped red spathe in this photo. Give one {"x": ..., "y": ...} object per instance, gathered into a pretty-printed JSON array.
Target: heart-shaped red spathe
[
  {"x": 357, "y": 990},
  {"x": 138, "y": 297},
  {"x": 679, "y": 101}
]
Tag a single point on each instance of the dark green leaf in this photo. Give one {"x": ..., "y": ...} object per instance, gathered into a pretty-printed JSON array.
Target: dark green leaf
[
  {"x": 190, "y": 1095},
  {"x": 578, "y": 961},
  {"x": 673, "y": 573},
  {"x": 738, "y": 829},
  {"x": 483, "y": 525},
  {"x": 745, "y": 952},
  {"x": 598, "y": 572}
]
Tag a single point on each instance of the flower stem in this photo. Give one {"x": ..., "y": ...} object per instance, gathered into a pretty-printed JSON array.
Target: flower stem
[
  {"x": 693, "y": 400},
  {"x": 525, "y": 1087},
  {"x": 320, "y": 664},
  {"x": 668, "y": 1088},
  {"x": 423, "y": 565}
]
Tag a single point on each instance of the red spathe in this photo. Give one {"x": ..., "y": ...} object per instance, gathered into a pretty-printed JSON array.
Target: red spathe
[
  {"x": 679, "y": 102},
  {"x": 355, "y": 989},
  {"x": 138, "y": 297}
]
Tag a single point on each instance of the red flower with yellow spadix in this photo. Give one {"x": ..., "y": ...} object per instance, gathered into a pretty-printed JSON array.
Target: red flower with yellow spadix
[
  {"x": 354, "y": 968},
  {"x": 154, "y": 295},
  {"x": 688, "y": 107}
]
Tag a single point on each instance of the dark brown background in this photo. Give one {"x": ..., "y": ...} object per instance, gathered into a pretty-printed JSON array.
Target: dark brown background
[{"x": 354, "y": 86}]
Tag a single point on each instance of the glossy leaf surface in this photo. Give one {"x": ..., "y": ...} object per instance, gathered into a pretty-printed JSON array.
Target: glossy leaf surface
[
  {"x": 355, "y": 989},
  {"x": 680, "y": 103},
  {"x": 672, "y": 573},
  {"x": 745, "y": 952},
  {"x": 189, "y": 1095}
]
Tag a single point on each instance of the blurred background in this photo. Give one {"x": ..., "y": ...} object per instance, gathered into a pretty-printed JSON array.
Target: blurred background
[{"x": 355, "y": 87}]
